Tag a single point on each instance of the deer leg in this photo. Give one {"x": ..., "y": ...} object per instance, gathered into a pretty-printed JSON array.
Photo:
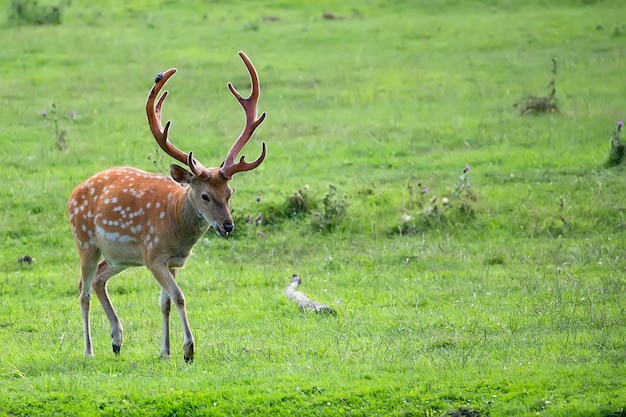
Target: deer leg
[
  {"x": 166, "y": 277},
  {"x": 104, "y": 273},
  {"x": 89, "y": 262},
  {"x": 166, "y": 306}
]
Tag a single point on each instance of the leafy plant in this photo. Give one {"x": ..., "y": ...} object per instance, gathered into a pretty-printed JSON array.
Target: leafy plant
[{"x": 334, "y": 210}]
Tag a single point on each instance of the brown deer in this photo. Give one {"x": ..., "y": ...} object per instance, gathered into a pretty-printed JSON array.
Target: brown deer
[{"x": 135, "y": 218}]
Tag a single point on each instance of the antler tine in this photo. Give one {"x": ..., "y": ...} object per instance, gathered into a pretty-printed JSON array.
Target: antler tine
[
  {"x": 249, "y": 104},
  {"x": 161, "y": 133}
]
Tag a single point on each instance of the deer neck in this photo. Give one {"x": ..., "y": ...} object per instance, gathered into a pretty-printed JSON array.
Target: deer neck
[{"x": 192, "y": 225}]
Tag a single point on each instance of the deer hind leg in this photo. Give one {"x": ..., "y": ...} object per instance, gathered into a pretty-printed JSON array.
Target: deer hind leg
[
  {"x": 104, "y": 273},
  {"x": 172, "y": 293},
  {"x": 88, "y": 266}
]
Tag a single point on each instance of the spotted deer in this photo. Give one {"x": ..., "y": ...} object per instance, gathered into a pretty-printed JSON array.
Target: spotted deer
[{"x": 135, "y": 218}]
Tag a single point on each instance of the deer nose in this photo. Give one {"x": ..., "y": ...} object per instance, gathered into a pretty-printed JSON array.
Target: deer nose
[{"x": 228, "y": 227}]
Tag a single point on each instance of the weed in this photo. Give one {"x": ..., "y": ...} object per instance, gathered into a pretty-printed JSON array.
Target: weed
[
  {"x": 556, "y": 226},
  {"x": 158, "y": 160},
  {"x": 299, "y": 203},
  {"x": 60, "y": 132},
  {"x": 334, "y": 210},
  {"x": 432, "y": 211},
  {"x": 416, "y": 197},
  {"x": 617, "y": 149},
  {"x": 541, "y": 104}
]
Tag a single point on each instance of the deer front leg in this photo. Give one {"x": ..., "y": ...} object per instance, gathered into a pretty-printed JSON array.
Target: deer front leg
[
  {"x": 166, "y": 306},
  {"x": 104, "y": 273},
  {"x": 166, "y": 278}
]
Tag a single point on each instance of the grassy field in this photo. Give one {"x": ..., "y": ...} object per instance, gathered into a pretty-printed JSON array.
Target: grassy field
[{"x": 499, "y": 291}]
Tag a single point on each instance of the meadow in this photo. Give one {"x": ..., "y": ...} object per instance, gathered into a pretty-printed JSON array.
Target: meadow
[{"x": 475, "y": 257}]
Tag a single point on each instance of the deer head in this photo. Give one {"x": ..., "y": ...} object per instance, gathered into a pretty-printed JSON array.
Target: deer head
[{"x": 210, "y": 192}]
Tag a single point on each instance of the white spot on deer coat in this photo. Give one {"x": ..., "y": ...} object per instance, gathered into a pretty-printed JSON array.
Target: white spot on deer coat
[{"x": 114, "y": 236}]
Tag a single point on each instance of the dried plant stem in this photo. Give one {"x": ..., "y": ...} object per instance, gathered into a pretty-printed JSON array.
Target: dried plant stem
[
  {"x": 542, "y": 104},
  {"x": 304, "y": 303}
]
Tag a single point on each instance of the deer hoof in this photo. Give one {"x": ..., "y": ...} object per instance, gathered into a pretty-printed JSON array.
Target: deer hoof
[
  {"x": 188, "y": 352},
  {"x": 116, "y": 349}
]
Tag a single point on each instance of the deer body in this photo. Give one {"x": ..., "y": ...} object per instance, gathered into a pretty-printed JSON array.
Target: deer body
[
  {"x": 116, "y": 212},
  {"x": 135, "y": 218}
]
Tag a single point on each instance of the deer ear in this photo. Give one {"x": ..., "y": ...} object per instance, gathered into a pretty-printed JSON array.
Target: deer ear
[{"x": 180, "y": 175}]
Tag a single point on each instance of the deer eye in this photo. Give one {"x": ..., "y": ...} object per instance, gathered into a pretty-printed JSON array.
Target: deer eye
[{"x": 205, "y": 197}]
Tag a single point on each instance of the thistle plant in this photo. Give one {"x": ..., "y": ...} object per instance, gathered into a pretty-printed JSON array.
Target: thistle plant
[
  {"x": 462, "y": 194},
  {"x": 59, "y": 132},
  {"x": 417, "y": 196},
  {"x": 335, "y": 209},
  {"x": 617, "y": 149},
  {"x": 158, "y": 160}
]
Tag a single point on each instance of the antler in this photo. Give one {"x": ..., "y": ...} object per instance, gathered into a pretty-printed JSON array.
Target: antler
[
  {"x": 159, "y": 132},
  {"x": 229, "y": 167}
]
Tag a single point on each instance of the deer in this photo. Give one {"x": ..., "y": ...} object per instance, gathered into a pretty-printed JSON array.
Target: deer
[{"x": 125, "y": 217}]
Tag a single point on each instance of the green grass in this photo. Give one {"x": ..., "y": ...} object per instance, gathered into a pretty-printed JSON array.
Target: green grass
[{"x": 516, "y": 309}]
